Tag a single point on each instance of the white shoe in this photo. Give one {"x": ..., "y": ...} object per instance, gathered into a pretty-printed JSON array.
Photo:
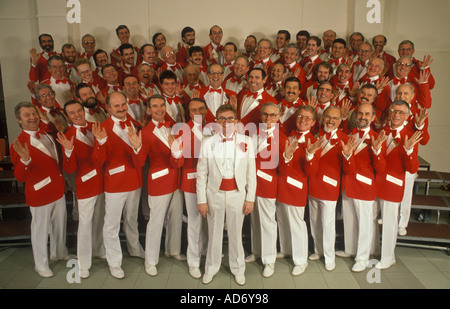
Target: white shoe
[
  {"x": 151, "y": 270},
  {"x": 384, "y": 265},
  {"x": 47, "y": 273},
  {"x": 195, "y": 272},
  {"x": 178, "y": 257},
  {"x": 68, "y": 257},
  {"x": 240, "y": 279},
  {"x": 251, "y": 258},
  {"x": 117, "y": 272},
  {"x": 401, "y": 231},
  {"x": 342, "y": 253},
  {"x": 360, "y": 266},
  {"x": 207, "y": 279},
  {"x": 314, "y": 257},
  {"x": 281, "y": 255},
  {"x": 268, "y": 271},
  {"x": 298, "y": 270},
  {"x": 84, "y": 274},
  {"x": 330, "y": 266}
]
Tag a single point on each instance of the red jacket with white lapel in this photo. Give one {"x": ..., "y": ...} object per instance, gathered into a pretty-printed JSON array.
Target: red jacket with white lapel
[
  {"x": 390, "y": 184},
  {"x": 325, "y": 184},
  {"x": 254, "y": 115},
  {"x": 211, "y": 115},
  {"x": 88, "y": 176},
  {"x": 121, "y": 173},
  {"x": 44, "y": 182},
  {"x": 164, "y": 169},
  {"x": 290, "y": 124},
  {"x": 293, "y": 176},
  {"x": 360, "y": 170},
  {"x": 192, "y": 141},
  {"x": 268, "y": 153}
]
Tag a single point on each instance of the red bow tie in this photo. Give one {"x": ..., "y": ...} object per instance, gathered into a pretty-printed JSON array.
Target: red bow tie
[
  {"x": 322, "y": 106},
  {"x": 234, "y": 80},
  {"x": 197, "y": 87},
  {"x": 252, "y": 94},
  {"x": 64, "y": 81},
  {"x": 290, "y": 104},
  {"x": 163, "y": 124},
  {"x": 172, "y": 100},
  {"x": 54, "y": 111},
  {"x": 174, "y": 67},
  {"x": 359, "y": 132},
  {"x": 342, "y": 86},
  {"x": 388, "y": 131},
  {"x": 39, "y": 133},
  {"x": 215, "y": 90},
  {"x": 297, "y": 135},
  {"x": 227, "y": 64},
  {"x": 360, "y": 63},
  {"x": 229, "y": 139},
  {"x": 334, "y": 61},
  {"x": 124, "y": 124},
  {"x": 138, "y": 102},
  {"x": 116, "y": 88},
  {"x": 94, "y": 110},
  {"x": 87, "y": 128},
  {"x": 401, "y": 81}
]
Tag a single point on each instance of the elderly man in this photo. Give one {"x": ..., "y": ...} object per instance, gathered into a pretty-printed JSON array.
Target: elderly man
[
  {"x": 170, "y": 62},
  {"x": 263, "y": 56},
  {"x": 64, "y": 88},
  {"x": 88, "y": 44},
  {"x": 291, "y": 54},
  {"x": 360, "y": 66},
  {"x": 236, "y": 80}
]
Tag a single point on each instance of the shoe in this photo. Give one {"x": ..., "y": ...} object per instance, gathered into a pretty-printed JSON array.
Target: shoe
[
  {"x": 401, "y": 231},
  {"x": 178, "y": 257},
  {"x": 384, "y": 265},
  {"x": 140, "y": 255},
  {"x": 207, "y": 279},
  {"x": 380, "y": 221},
  {"x": 314, "y": 257},
  {"x": 298, "y": 270},
  {"x": 240, "y": 279},
  {"x": 251, "y": 258},
  {"x": 281, "y": 255},
  {"x": 117, "y": 272},
  {"x": 84, "y": 274},
  {"x": 195, "y": 272},
  {"x": 360, "y": 266},
  {"x": 330, "y": 266},
  {"x": 47, "y": 273},
  {"x": 268, "y": 271},
  {"x": 151, "y": 270},
  {"x": 342, "y": 254}
]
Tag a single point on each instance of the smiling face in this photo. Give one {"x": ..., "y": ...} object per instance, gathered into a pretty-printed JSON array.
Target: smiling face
[
  {"x": 227, "y": 121},
  {"x": 270, "y": 116},
  {"x": 76, "y": 114},
  {"x": 128, "y": 56},
  {"x": 405, "y": 92},
  {"x": 168, "y": 55},
  {"x": 328, "y": 37},
  {"x": 87, "y": 97},
  {"x": 240, "y": 67},
  {"x": 123, "y": 35},
  {"x": 403, "y": 66},
  {"x": 364, "y": 116},
  {"x": 46, "y": 43},
  {"x": 46, "y": 97},
  {"x": 157, "y": 109},
  {"x": 118, "y": 106},
  {"x": 331, "y": 119},
  {"x": 256, "y": 81},
  {"x": 305, "y": 120},
  {"x": 197, "y": 111},
  {"x": 292, "y": 91},
  {"x": 290, "y": 55},
  {"x": 216, "y": 34},
  {"x": 189, "y": 38},
  {"x": 324, "y": 93},
  {"x": 264, "y": 49},
  {"x": 70, "y": 54},
  {"x": 312, "y": 48},
  {"x": 148, "y": 54},
  {"x": 169, "y": 86},
  {"x": 215, "y": 75},
  {"x": 398, "y": 115},
  {"x": 278, "y": 72},
  {"x": 337, "y": 50},
  {"x": 145, "y": 73},
  {"x": 343, "y": 74},
  {"x": 57, "y": 69},
  {"x": 131, "y": 87},
  {"x": 281, "y": 40},
  {"x": 29, "y": 118},
  {"x": 375, "y": 67}
]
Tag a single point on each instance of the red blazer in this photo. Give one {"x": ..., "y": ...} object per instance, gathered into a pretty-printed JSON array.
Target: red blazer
[
  {"x": 121, "y": 173},
  {"x": 164, "y": 169},
  {"x": 269, "y": 152},
  {"x": 325, "y": 184},
  {"x": 211, "y": 115},
  {"x": 301, "y": 76},
  {"x": 43, "y": 178},
  {"x": 182, "y": 56},
  {"x": 192, "y": 141},
  {"x": 254, "y": 115},
  {"x": 88, "y": 176},
  {"x": 390, "y": 184},
  {"x": 414, "y": 73},
  {"x": 293, "y": 176},
  {"x": 360, "y": 170},
  {"x": 206, "y": 53},
  {"x": 116, "y": 52},
  {"x": 40, "y": 72},
  {"x": 290, "y": 124}
]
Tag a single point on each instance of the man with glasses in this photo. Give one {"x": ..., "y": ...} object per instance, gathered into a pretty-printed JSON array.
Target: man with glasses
[
  {"x": 170, "y": 62},
  {"x": 88, "y": 44},
  {"x": 360, "y": 66},
  {"x": 226, "y": 186},
  {"x": 401, "y": 157},
  {"x": 213, "y": 52},
  {"x": 64, "y": 88},
  {"x": 262, "y": 57},
  {"x": 299, "y": 161},
  {"x": 324, "y": 187}
]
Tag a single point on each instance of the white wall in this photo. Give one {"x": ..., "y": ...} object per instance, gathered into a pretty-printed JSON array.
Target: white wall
[{"x": 424, "y": 22}]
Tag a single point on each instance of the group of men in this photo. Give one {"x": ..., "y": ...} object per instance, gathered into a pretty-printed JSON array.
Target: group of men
[{"x": 221, "y": 135}]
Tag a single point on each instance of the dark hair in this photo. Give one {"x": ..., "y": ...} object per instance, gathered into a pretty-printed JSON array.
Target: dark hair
[
  {"x": 303, "y": 33},
  {"x": 80, "y": 86},
  {"x": 317, "y": 39},
  {"x": 167, "y": 74},
  {"x": 232, "y": 44},
  {"x": 286, "y": 34},
  {"x": 293, "y": 79},
  {"x": 186, "y": 30},
  {"x": 195, "y": 49},
  {"x": 156, "y": 35},
  {"x": 71, "y": 102},
  {"x": 259, "y": 69},
  {"x": 120, "y": 28},
  {"x": 341, "y": 41},
  {"x": 125, "y": 46}
]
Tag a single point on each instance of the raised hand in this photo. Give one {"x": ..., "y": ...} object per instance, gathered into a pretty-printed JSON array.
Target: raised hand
[
  {"x": 424, "y": 75},
  {"x": 34, "y": 56},
  {"x": 64, "y": 141},
  {"x": 312, "y": 148},
  {"x": 22, "y": 151},
  {"x": 413, "y": 140},
  {"x": 345, "y": 107},
  {"x": 420, "y": 117},
  {"x": 380, "y": 84},
  {"x": 98, "y": 132},
  {"x": 347, "y": 149},
  {"x": 134, "y": 138},
  {"x": 312, "y": 101},
  {"x": 427, "y": 61},
  {"x": 376, "y": 143},
  {"x": 290, "y": 148}
]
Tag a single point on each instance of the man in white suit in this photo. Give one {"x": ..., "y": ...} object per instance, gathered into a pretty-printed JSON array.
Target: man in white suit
[{"x": 226, "y": 186}]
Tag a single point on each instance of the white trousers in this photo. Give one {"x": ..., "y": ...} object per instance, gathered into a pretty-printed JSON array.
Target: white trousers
[
  {"x": 358, "y": 229},
  {"x": 293, "y": 232},
  {"x": 48, "y": 219},
  {"x": 255, "y": 229},
  {"x": 225, "y": 206},
  {"x": 322, "y": 215},
  {"x": 389, "y": 214},
  {"x": 405, "y": 205},
  {"x": 91, "y": 214},
  {"x": 266, "y": 231},
  {"x": 167, "y": 207},
  {"x": 196, "y": 231},
  {"x": 116, "y": 204}
]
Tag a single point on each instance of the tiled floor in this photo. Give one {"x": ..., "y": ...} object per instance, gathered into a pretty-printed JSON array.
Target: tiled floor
[{"x": 416, "y": 268}]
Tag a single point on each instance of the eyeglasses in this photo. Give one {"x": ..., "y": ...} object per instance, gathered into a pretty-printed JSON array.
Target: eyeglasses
[
  {"x": 89, "y": 43},
  {"x": 269, "y": 115},
  {"x": 170, "y": 54},
  {"x": 45, "y": 95},
  {"x": 404, "y": 64},
  {"x": 225, "y": 119},
  {"x": 216, "y": 32},
  {"x": 397, "y": 112},
  {"x": 306, "y": 118},
  {"x": 405, "y": 49},
  {"x": 215, "y": 73},
  {"x": 333, "y": 118}
]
